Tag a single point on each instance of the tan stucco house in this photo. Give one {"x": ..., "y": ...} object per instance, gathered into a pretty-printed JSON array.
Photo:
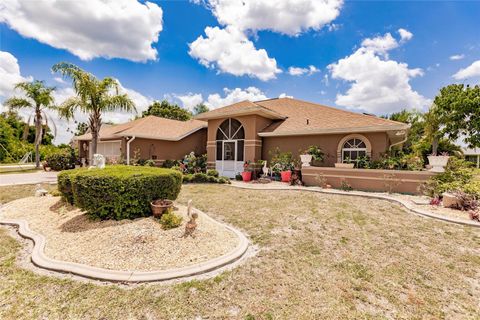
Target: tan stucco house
[{"x": 248, "y": 131}]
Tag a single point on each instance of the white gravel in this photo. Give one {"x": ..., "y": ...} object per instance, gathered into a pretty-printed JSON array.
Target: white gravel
[{"x": 128, "y": 245}]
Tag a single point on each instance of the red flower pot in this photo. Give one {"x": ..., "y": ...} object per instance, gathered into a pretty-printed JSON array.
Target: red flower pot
[
  {"x": 247, "y": 176},
  {"x": 286, "y": 176}
]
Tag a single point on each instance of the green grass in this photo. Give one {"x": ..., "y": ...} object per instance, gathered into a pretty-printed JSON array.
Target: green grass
[{"x": 320, "y": 256}]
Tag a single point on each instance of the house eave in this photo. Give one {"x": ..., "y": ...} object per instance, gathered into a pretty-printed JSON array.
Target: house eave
[{"x": 334, "y": 131}]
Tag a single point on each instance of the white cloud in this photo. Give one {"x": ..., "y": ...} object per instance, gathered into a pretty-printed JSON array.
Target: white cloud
[
  {"x": 284, "y": 95},
  {"x": 230, "y": 51},
  {"x": 297, "y": 71},
  {"x": 59, "y": 80},
  {"x": 380, "y": 44},
  {"x": 190, "y": 100},
  {"x": 457, "y": 57},
  {"x": 290, "y": 17},
  {"x": 234, "y": 95},
  {"x": 379, "y": 85},
  {"x": 10, "y": 74},
  {"x": 89, "y": 28},
  {"x": 405, "y": 35},
  {"x": 472, "y": 71}
]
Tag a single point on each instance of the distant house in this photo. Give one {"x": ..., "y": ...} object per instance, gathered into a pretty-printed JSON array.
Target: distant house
[
  {"x": 249, "y": 131},
  {"x": 472, "y": 155}
]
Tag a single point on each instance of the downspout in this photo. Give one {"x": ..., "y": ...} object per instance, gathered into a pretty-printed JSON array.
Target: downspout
[
  {"x": 128, "y": 149},
  {"x": 400, "y": 142}
]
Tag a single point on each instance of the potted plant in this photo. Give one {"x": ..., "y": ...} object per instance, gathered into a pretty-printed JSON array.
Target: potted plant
[
  {"x": 160, "y": 206},
  {"x": 282, "y": 162},
  {"x": 346, "y": 164},
  {"x": 246, "y": 174},
  {"x": 438, "y": 163},
  {"x": 311, "y": 153}
]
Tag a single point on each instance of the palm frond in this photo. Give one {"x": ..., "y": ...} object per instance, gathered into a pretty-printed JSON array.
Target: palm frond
[
  {"x": 18, "y": 103},
  {"x": 119, "y": 103},
  {"x": 68, "y": 107},
  {"x": 50, "y": 123}
]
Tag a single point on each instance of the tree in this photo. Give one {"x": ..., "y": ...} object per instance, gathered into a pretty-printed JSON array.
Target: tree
[
  {"x": 457, "y": 108},
  {"x": 82, "y": 128},
  {"x": 200, "y": 108},
  {"x": 93, "y": 96},
  {"x": 166, "y": 110},
  {"x": 39, "y": 98},
  {"x": 416, "y": 121}
]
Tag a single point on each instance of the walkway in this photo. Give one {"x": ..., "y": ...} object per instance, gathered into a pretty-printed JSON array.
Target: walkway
[{"x": 28, "y": 178}]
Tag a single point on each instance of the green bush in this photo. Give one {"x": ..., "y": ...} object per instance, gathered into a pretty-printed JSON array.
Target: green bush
[
  {"x": 64, "y": 184},
  {"x": 212, "y": 173},
  {"x": 170, "y": 220},
  {"x": 119, "y": 192},
  {"x": 458, "y": 176},
  {"x": 204, "y": 178},
  {"x": 170, "y": 163},
  {"x": 62, "y": 160}
]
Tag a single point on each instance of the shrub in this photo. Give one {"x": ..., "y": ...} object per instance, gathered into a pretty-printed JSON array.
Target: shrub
[
  {"x": 149, "y": 163},
  {"x": 204, "y": 178},
  {"x": 238, "y": 177},
  {"x": 119, "y": 192},
  {"x": 170, "y": 220},
  {"x": 62, "y": 160},
  {"x": 64, "y": 184},
  {"x": 316, "y": 153},
  {"x": 458, "y": 176},
  {"x": 195, "y": 163},
  {"x": 212, "y": 173},
  {"x": 169, "y": 163}
]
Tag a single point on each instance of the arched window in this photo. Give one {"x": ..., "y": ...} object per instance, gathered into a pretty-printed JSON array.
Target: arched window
[
  {"x": 353, "y": 149},
  {"x": 230, "y": 140}
]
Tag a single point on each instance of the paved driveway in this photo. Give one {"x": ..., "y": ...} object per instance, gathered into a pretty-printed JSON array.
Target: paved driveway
[{"x": 28, "y": 178}]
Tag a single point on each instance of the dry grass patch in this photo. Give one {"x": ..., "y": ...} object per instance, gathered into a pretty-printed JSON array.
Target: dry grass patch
[
  {"x": 9, "y": 193},
  {"x": 321, "y": 256}
]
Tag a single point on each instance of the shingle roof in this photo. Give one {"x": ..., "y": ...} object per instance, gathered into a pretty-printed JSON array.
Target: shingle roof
[
  {"x": 150, "y": 127},
  {"x": 293, "y": 116},
  {"x": 240, "y": 108}
]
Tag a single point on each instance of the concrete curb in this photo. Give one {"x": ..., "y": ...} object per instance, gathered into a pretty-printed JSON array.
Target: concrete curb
[
  {"x": 405, "y": 204},
  {"x": 42, "y": 261}
]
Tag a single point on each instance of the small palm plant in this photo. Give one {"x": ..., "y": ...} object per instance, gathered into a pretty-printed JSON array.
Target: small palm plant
[
  {"x": 39, "y": 98},
  {"x": 93, "y": 96}
]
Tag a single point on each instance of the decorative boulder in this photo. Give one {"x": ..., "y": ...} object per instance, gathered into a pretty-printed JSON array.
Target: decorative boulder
[{"x": 450, "y": 200}]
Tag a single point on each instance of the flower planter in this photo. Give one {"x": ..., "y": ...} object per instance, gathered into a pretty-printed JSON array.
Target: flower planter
[
  {"x": 306, "y": 159},
  {"x": 286, "y": 175},
  {"x": 246, "y": 176},
  {"x": 160, "y": 206},
  {"x": 344, "y": 165},
  {"x": 438, "y": 163}
]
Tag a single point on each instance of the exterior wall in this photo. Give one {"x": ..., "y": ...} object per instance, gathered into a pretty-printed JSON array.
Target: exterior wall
[
  {"x": 252, "y": 124},
  {"x": 175, "y": 150},
  {"x": 368, "y": 179},
  {"x": 328, "y": 143}
]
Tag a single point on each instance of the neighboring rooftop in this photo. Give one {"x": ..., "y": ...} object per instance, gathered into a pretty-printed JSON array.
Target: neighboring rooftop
[
  {"x": 301, "y": 117},
  {"x": 150, "y": 127}
]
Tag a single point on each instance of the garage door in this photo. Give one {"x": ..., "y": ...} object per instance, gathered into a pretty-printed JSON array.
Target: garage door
[{"x": 109, "y": 148}]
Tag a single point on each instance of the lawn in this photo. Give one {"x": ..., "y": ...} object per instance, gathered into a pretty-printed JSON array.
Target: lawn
[{"x": 320, "y": 256}]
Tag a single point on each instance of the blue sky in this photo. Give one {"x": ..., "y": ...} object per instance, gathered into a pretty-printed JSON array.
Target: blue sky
[{"x": 382, "y": 70}]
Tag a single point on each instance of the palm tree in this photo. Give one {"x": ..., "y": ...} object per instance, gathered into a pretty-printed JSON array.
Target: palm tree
[
  {"x": 93, "y": 96},
  {"x": 39, "y": 98}
]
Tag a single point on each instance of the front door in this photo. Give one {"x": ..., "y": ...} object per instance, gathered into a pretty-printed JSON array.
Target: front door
[{"x": 229, "y": 158}]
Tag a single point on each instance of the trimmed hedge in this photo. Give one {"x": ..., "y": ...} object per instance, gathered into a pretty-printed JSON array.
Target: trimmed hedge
[
  {"x": 119, "y": 192},
  {"x": 204, "y": 178},
  {"x": 64, "y": 184},
  {"x": 62, "y": 160}
]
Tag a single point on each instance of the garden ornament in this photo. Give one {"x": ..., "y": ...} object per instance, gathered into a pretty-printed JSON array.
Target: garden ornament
[
  {"x": 191, "y": 225},
  {"x": 98, "y": 161},
  {"x": 39, "y": 191}
]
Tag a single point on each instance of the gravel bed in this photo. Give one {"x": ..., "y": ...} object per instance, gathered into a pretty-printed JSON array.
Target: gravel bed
[{"x": 127, "y": 245}]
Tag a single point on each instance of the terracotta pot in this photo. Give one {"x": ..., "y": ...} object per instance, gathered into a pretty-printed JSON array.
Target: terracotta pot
[
  {"x": 160, "y": 206},
  {"x": 344, "y": 165},
  {"x": 286, "y": 175},
  {"x": 246, "y": 176}
]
